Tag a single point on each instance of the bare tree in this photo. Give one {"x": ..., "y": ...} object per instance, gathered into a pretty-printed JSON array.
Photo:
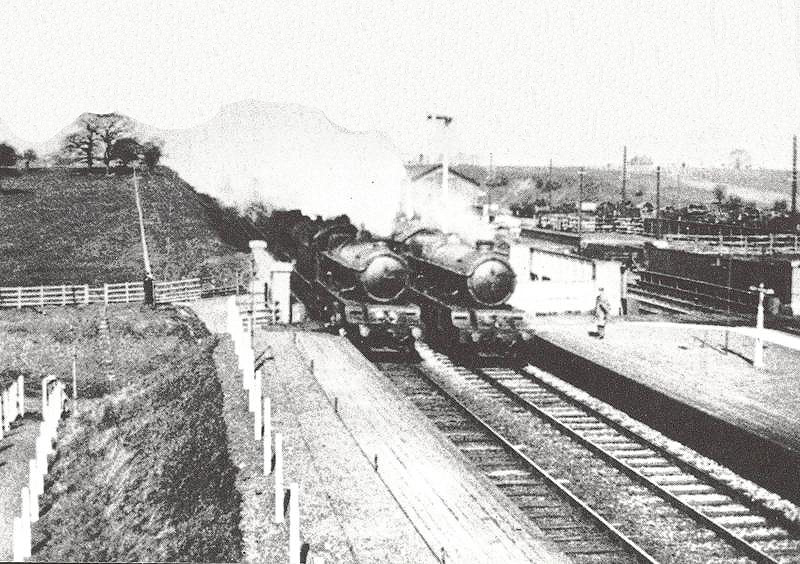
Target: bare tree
[
  {"x": 111, "y": 128},
  {"x": 84, "y": 143},
  {"x": 29, "y": 156}
]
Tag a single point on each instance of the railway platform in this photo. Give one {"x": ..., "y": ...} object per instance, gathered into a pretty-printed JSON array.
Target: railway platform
[
  {"x": 400, "y": 491},
  {"x": 695, "y": 383}
]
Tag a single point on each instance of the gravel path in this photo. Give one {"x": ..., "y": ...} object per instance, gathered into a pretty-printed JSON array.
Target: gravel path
[{"x": 346, "y": 513}]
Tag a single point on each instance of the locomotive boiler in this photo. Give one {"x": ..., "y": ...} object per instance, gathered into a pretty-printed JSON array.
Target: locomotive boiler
[
  {"x": 358, "y": 287},
  {"x": 463, "y": 290}
]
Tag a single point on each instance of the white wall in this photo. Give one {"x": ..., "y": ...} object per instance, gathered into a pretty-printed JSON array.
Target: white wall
[{"x": 573, "y": 281}]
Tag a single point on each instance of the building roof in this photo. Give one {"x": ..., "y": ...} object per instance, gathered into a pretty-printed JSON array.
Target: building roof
[{"x": 418, "y": 171}]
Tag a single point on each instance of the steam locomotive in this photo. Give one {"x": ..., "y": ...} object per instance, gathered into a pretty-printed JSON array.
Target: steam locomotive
[
  {"x": 353, "y": 283},
  {"x": 463, "y": 292}
]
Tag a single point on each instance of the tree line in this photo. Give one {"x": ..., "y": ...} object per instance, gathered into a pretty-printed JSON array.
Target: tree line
[{"x": 107, "y": 138}]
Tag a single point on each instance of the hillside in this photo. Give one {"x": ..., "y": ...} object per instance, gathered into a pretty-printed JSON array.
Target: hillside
[
  {"x": 690, "y": 186},
  {"x": 62, "y": 226}
]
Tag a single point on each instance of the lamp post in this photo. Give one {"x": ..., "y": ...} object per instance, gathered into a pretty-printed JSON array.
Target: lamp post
[
  {"x": 445, "y": 160},
  {"x": 758, "y": 350}
]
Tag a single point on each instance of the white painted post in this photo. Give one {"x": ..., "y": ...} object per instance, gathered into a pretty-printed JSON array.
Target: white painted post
[
  {"x": 2, "y": 421},
  {"x": 294, "y": 523},
  {"x": 257, "y": 407},
  {"x": 41, "y": 296},
  {"x": 21, "y": 392},
  {"x": 267, "y": 438},
  {"x": 26, "y": 522},
  {"x": 86, "y": 294},
  {"x": 19, "y": 297},
  {"x": 44, "y": 395},
  {"x": 105, "y": 293},
  {"x": 74, "y": 377},
  {"x": 63, "y": 295},
  {"x": 34, "y": 495},
  {"x": 16, "y": 552},
  {"x": 13, "y": 396},
  {"x": 278, "y": 478}
]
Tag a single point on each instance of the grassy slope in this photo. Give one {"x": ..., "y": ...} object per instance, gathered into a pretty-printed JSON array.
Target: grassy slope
[
  {"x": 67, "y": 226},
  {"x": 143, "y": 471},
  {"x": 764, "y": 186}
]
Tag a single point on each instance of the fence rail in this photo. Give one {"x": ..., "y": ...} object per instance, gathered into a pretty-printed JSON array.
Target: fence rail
[
  {"x": 123, "y": 292},
  {"x": 741, "y": 244},
  {"x": 716, "y": 295}
]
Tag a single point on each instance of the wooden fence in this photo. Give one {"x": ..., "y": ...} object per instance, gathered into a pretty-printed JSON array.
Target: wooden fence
[{"x": 123, "y": 292}]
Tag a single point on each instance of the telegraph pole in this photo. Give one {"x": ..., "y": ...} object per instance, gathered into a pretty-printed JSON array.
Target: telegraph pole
[
  {"x": 147, "y": 270},
  {"x": 580, "y": 200},
  {"x": 624, "y": 172},
  {"x": 794, "y": 176},
  {"x": 658, "y": 202}
]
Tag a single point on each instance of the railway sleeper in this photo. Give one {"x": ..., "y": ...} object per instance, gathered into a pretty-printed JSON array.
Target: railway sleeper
[
  {"x": 674, "y": 480},
  {"x": 701, "y": 500},
  {"x": 650, "y": 462},
  {"x": 630, "y": 453},
  {"x": 715, "y": 511},
  {"x": 479, "y": 447},
  {"x": 732, "y": 521},
  {"x": 687, "y": 489},
  {"x": 760, "y": 534},
  {"x": 650, "y": 471},
  {"x": 622, "y": 446}
]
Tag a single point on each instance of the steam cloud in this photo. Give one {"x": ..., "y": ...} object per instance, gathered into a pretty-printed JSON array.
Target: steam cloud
[{"x": 287, "y": 156}]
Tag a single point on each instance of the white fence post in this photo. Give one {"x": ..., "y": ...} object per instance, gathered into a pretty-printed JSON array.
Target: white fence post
[
  {"x": 19, "y": 297},
  {"x": 127, "y": 293},
  {"x": 32, "y": 490},
  {"x": 26, "y": 522},
  {"x": 294, "y": 523},
  {"x": 41, "y": 296},
  {"x": 257, "y": 407},
  {"x": 63, "y": 295},
  {"x": 16, "y": 552},
  {"x": 105, "y": 294},
  {"x": 86, "y": 294},
  {"x": 74, "y": 378},
  {"x": 278, "y": 478},
  {"x": 21, "y": 392},
  {"x": 267, "y": 438}
]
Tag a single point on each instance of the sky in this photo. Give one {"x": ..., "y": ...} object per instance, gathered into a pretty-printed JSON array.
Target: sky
[{"x": 680, "y": 81}]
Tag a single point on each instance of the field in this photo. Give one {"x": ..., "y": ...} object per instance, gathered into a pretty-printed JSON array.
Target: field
[
  {"x": 62, "y": 226},
  {"x": 143, "y": 471},
  {"x": 604, "y": 184}
]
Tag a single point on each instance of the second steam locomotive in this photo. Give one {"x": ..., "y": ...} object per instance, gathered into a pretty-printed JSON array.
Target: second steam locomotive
[{"x": 463, "y": 291}]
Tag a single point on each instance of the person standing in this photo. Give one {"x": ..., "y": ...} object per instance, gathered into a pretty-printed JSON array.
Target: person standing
[{"x": 601, "y": 309}]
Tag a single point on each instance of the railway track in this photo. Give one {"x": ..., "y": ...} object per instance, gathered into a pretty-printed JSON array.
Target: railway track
[
  {"x": 569, "y": 523},
  {"x": 750, "y": 529}
]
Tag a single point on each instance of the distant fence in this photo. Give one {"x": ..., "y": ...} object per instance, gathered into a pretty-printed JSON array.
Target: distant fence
[
  {"x": 740, "y": 244},
  {"x": 123, "y": 292}
]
